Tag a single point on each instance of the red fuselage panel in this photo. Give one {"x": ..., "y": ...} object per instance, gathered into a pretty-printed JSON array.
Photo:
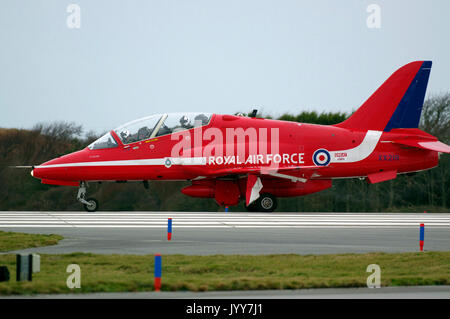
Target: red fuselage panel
[{"x": 230, "y": 142}]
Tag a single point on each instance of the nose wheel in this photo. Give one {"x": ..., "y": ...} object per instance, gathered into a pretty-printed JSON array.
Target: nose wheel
[
  {"x": 92, "y": 205},
  {"x": 89, "y": 204}
]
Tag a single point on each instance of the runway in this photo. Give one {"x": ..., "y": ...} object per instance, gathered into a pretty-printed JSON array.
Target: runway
[
  {"x": 411, "y": 292},
  {"x": 232, "y": 233},
  {"x": 217, "y": 220}
]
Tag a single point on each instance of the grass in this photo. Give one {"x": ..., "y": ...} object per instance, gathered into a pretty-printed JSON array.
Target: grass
[
  {"x": 15, "y": 241},
  {"x": 117, "y": 273}
]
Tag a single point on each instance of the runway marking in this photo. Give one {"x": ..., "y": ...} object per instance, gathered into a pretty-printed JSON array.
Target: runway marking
[{"x": 219, "y": 220}]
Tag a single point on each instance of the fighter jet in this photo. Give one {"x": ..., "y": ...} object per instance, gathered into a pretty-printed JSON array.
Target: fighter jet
[{"x": 233, "y": 157}]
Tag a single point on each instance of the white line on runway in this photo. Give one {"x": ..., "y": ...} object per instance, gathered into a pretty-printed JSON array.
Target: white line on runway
[
  {"x": 374, "y": 215},
  {"x": 230, "y": 219},
  {"x": 219, "y": 220},
  {"x": 254, "y": 223},
  {"x": 204, "y": 226}
]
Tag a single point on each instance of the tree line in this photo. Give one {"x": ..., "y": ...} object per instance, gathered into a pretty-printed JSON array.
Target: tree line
[{"x": 422, "y": 191}]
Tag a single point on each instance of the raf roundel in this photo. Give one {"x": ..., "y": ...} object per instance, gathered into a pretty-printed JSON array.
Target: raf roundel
[
  {"x": 321, "y": 157},
  {"x": 167, "y": 162}
]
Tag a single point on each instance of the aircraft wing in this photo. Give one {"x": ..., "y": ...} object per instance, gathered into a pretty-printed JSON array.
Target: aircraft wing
[{"x": 294, "y": 173}]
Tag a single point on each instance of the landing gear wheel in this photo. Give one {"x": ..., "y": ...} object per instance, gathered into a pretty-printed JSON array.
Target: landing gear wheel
[
  {"x": 266, "y": 203},
  {"x": 92, "y": 205}
]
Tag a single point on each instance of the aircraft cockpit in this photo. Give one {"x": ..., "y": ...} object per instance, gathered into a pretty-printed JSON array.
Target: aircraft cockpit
[{"x": 152, "y": 126}]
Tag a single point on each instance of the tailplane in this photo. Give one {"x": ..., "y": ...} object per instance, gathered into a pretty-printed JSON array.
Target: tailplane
[{"x": 397, "y": 103}]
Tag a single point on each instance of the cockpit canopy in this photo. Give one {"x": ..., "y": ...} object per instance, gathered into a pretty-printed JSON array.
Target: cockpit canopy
[
  {"x": 152, "y": 126},
  {"x": 106, "y": 141}
]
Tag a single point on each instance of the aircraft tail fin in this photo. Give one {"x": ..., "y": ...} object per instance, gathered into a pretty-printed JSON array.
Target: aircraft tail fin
[{"x": 397, "y": 103}]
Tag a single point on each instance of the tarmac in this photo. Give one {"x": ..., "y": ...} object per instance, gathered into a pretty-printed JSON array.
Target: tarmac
[
  {"x": 413, "y": 292},
  {"x": 232, "y": 233}
]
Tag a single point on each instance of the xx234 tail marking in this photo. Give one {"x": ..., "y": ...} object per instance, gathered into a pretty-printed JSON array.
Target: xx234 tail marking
[{"x": 388, "y": 157}]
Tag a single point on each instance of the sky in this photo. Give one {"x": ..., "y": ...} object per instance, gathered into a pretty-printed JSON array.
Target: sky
[{"x": 130, "y": 59}]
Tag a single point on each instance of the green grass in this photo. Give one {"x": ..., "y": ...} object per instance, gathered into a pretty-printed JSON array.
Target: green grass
[
  {"x": 117, "y": 273},
  {"x": 15, "y": 241}
]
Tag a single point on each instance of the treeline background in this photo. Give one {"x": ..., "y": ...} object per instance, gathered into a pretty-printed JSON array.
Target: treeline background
[{"x": 424, "y": 191}]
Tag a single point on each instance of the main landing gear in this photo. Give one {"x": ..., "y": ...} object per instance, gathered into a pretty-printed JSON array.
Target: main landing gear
[
  {"x": 265, "y": 203},
  {"x": 90, "y": 204}
]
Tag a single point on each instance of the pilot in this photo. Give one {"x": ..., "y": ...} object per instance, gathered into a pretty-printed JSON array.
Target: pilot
[
  {"x": 184, "y": 125},
  {"x": 184, "y": 121},
  {"x": 124, "y": 136},
  {"x": 202, "y": 119},
  {"x": 144, "y": 133}
]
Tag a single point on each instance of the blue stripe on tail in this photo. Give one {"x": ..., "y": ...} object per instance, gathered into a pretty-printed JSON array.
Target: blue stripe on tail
[{"x": 407, "y": 114}]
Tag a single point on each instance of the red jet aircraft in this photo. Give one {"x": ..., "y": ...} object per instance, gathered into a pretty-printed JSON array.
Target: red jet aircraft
[{"x": 230, "y": 158}]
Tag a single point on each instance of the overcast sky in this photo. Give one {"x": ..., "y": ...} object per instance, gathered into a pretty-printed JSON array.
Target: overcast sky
[{"x": 134, "y": 58}]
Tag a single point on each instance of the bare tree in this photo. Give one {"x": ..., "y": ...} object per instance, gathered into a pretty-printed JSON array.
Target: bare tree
[
  {"x": 436, "y": 116},
  {"x": 63, "y": 131},
  {"x": 436, "y": 121}
]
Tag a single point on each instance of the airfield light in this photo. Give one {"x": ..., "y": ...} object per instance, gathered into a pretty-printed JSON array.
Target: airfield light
[
  {"x": 158, "y": 272},
  {"x": 169, "y": 229},
  {"x": 422, "y": 236}
]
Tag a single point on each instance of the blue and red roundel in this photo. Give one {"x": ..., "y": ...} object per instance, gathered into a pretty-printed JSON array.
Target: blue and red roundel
[
  {"x": 167, "y": 162},
  {"x": 321, "y": 157}
]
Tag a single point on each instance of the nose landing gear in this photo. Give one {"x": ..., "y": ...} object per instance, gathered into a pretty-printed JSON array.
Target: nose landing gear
[{"x": 90, "y": 204}]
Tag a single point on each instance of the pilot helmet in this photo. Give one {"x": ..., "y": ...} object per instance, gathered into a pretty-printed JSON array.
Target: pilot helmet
[
  {"x": 184, "y": 120},
  {"x": 125, "y": 133}
]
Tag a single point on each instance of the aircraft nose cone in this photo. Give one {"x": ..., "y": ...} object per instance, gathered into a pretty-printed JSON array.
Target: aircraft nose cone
[
  {"x": 58, "y": 169},
  {"x": 39, "y": 172}
]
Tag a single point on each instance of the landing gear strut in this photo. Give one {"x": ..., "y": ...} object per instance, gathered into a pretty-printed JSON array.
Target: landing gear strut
[{"x": 90, "y": 204}]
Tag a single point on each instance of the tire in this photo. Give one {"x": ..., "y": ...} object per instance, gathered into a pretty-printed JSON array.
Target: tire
[
  {"x": 93, "y": 205},
  {"x": 266, "y": 203}
]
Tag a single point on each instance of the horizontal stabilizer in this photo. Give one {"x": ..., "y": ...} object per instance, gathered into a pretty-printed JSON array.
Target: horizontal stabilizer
[{"x": 427, "y": 145}]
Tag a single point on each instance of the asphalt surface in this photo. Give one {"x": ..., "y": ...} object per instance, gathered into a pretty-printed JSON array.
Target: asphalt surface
[
  {"x": 232, "y": 233},
  {"x": 419, "y": 292}
]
